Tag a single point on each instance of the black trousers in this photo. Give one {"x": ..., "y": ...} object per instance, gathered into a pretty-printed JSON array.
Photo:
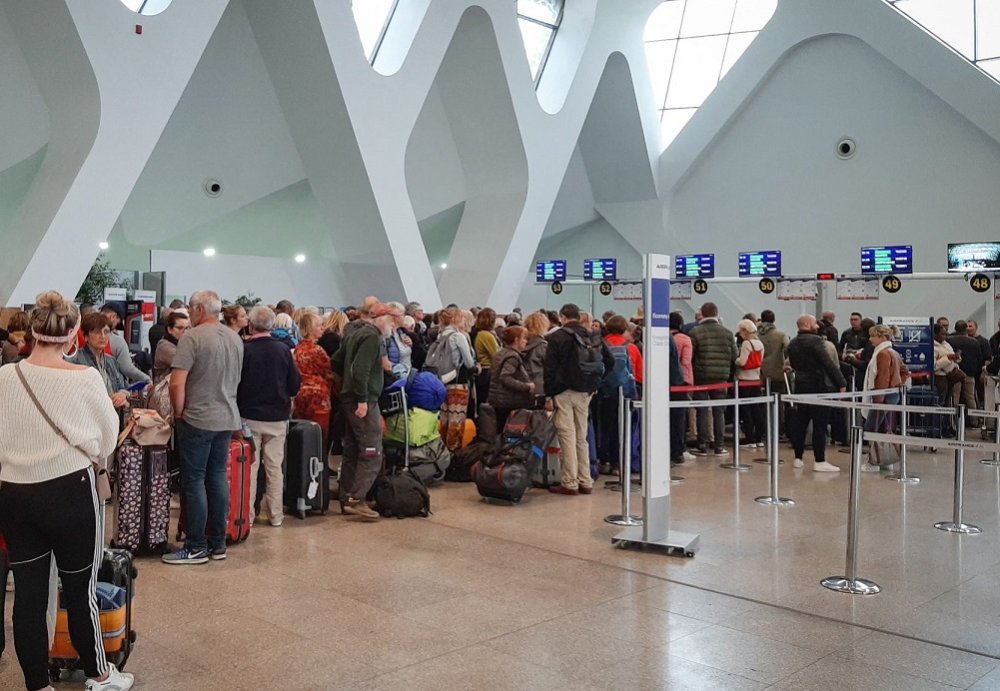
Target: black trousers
[
  {"x": 801, "y": 416},
  {"x": 57, "y": 517}
]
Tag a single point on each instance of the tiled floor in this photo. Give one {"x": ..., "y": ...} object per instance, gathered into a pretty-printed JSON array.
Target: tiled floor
[{"x": 535, "y": 596}]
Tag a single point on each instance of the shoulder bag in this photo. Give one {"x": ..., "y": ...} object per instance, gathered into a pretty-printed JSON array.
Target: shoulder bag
[{"x": 101, "y": 482}]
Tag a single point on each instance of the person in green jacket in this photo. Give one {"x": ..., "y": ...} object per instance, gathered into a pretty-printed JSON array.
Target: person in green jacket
[
  {"x": 359, "y": 363},
  {"x": 714, "y": 354}
]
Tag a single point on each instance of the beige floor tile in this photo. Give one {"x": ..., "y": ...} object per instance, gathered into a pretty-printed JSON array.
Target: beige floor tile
[
  {"x": 743, "y": 654},
  {"x": 669, "y": 673},
  {"x": 803, "y": 630},
  {"x": 835, "y": 673},
  {"x": 920, "y": 659},
  {"x": 625, "y": 620},
  {"x": 693, "y": 602}
]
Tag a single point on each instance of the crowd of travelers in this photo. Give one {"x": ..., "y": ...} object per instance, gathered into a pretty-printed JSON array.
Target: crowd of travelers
[{"x": 221, "y": 369}]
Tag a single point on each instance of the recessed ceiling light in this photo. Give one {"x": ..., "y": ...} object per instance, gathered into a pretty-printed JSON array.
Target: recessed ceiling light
[
  {"x": 209, "y": 251},
  {"x": 300, "y": 258},
  {"x": 443, "y": 265},
  {"x": 103, "y": 245}
]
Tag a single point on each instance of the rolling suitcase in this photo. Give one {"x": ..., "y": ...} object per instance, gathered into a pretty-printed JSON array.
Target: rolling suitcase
[
  {"x": 142, "y": 498},
  {"x": 307, "y": 476},
  {"x": 240, "y": 501}
]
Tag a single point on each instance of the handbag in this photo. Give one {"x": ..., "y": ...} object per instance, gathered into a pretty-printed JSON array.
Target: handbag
[
  {"x": 146, "y": 428},
  {"x": 101, "y": 482},
  {"x": 955, "y": 376}
]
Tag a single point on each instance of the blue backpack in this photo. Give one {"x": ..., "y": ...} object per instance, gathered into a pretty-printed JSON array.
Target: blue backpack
[{"x": 621, "y": 375}]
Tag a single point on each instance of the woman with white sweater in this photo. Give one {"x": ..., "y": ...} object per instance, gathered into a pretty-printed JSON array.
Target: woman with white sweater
[
  {"x": 56, "y": 422},
  {"x": 748, "y": 363}
]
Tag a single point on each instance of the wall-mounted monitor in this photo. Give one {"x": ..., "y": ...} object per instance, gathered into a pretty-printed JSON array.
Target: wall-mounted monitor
[
  {"x": 600, "y": 269},
  {"x": 964, "y": 257},
  {"x": 892, "y": 259},
  {"x": 550, "y": 270},
  {"x": 694, "y": 266},
  {"x": 766, "y": 263}
]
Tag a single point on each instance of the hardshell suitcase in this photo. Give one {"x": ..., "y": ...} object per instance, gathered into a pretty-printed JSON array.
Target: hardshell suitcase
[
  {"x": 307, "y": 476},
  {"x": 142, "y": 506},
  {"x": 240, "y": 501}
]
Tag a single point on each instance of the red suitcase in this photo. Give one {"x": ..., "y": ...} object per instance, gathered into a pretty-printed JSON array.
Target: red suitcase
[{"x": 240, "y": 502}]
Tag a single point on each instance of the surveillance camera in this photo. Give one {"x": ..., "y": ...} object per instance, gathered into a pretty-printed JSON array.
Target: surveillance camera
[
  {"x": 846, "y": 148},
  {"x": 212, "y": 187}
]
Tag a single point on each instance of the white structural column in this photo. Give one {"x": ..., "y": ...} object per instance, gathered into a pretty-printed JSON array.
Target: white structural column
[{"x": 100, "y": 143}]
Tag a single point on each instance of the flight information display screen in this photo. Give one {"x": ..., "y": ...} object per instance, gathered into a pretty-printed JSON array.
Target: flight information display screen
[
  {"x": 600, "y": 269},
  {"x": 766, "y": 263},
  {"x": 550, "y": 270},
  {"x": 694, "y": 266},
  {"x": 894, "y": 259},
  {"x": 973, "y": 256}
]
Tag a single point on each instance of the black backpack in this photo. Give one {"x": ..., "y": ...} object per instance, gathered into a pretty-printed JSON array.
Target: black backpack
[
  {"x": 590, "y": 361},
  {"x": 401, "y": 494}
]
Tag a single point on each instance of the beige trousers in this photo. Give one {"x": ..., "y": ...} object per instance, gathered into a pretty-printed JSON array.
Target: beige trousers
[
  {"x": 269, "y": 443},
  {"x": 570, "y": 419}
]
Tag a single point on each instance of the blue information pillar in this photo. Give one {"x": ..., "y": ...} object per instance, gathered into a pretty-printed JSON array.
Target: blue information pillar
[{"x": 655, "y": 530}]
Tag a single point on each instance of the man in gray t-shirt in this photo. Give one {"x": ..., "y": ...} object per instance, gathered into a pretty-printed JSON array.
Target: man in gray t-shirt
[{"x": 205, "y": 376}]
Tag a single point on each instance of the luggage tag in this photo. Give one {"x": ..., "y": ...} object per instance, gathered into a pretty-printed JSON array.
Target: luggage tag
[{"x": 313, "y": 488}]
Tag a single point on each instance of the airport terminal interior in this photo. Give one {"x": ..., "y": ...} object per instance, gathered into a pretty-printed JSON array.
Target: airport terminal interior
[{"x": 793, "y": 156}]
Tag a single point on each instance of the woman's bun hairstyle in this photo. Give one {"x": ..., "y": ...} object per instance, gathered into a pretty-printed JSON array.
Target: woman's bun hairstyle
[{"x": 54, "y": 316}]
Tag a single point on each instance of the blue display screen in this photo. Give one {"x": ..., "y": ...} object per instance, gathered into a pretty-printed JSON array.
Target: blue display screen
[
  {"x": 600, "y": 269},
  {"x": 694, "y": 266},
  {"x": 893, "y": 259},
  {"x": 766, "y": 263},
  {"x": 550, "y": 270}
]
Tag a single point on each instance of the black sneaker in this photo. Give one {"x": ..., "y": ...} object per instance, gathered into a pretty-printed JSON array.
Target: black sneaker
[
  {"x": 699, "y": 450},
  {"x": 217, "y": 554}
]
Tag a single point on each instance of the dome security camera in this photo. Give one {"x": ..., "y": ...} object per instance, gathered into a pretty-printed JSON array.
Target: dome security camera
[
  {"x": 846, "y": 148},
  {"x": 212, "y": 187}
]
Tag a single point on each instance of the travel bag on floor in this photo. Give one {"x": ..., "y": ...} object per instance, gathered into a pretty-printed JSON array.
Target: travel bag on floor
[
  {"x": 400, "y": 493},
  {"x": 463, "y": 460},
  {"x": 503, "y": 476},
  {"x": 430, "y": 462},
  {"x": 307, "y": 476},
  {"x": 240, "y": 501},
  {"x": 142, "y": 498}
]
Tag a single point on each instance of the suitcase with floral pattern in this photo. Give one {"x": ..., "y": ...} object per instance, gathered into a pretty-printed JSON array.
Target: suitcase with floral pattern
[{"x": 142, "y": 506}]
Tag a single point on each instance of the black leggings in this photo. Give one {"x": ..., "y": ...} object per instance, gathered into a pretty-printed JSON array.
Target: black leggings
[{"x": 59, "y": 517}]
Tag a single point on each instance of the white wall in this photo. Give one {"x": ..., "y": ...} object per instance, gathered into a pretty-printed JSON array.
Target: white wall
[
  {"x": 22, "y": 111},
  {"x": 268, "y": 278},
  {"x": 922, "y": 175}
]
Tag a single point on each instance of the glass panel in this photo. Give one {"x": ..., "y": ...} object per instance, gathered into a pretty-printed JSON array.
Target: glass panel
[
  {"x": 133, "y": 5},
  {"x": 536, "y": 41},
  {"x": 988, "y": 29},
  {"x": 706, "y": 17},
  {"x": 950, "y": 21},
  {"x": 672, "y": 122},
  {"x": 371, "y": 16},
  {"x": 752, "y": 15},
  {"x": 660, "y": 55},
  {"x": 991, "y": 67},
  {"x": 152, "y": 7},
  {"x": 737, "y": 44},
  {"x": 696, "y": 71},
  {"x": 665, "y": 22},
  {"x": 543, "y": 10}
]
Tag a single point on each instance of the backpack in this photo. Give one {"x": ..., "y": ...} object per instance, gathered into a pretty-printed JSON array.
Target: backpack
[
  {"x": 439, "y": 360},
  {"x": 755, "y": 359},
  {"x": 463, "y": 460},
  {"x": 590, "y": 362},
  {"x": 401, "y": 494},
  {"x": 621, "y": 377},
  {"x": 429, "y": 462}
]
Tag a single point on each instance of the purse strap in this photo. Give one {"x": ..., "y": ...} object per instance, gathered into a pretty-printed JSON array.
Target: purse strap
[{"x": 38, "y": 406}]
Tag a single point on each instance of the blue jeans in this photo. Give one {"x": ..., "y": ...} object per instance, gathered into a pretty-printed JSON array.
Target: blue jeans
[{"x": 205, "y": 482}]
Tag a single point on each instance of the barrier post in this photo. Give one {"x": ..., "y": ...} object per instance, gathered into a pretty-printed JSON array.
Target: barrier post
[
  {"x": 995, "y": 460},
  {"x": 901, "y": 475},
  {"x": 852, "y": 387},
  {"x": 773, "y": 416},
  {"x": 735, "y": 465},
  {"x": 955, "y": 525},
  {"x": 850, "y": 583},
  {"x": 625, "y": 464}
]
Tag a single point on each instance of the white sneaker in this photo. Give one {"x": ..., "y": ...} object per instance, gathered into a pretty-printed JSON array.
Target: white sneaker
[
  {"x": 688, "y": 456},
  {"x": 825, "y": 467},
  {"x": 116, "y": 681},
  {"x": 9, "y": 585},
  {"x": 797, "y": 463},
  {"x": 869, "y": 468}
]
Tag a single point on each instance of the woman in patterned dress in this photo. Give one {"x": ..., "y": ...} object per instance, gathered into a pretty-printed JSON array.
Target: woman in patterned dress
[{"x": 313, "y": 400}]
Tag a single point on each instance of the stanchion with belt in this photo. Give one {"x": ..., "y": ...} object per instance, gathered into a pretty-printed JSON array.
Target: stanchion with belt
[
  {"x": 995, "y": 459},
  {"x": 775, "y": 427},
  {"x": 624, "y": 464},
  {"x": 774, "y": 499},
  {"x": 735, "y": 465},
  {"x": 901, "y": 476},
  {"x": 956, "y": 524},
  {"x": 850, "y": 583}
]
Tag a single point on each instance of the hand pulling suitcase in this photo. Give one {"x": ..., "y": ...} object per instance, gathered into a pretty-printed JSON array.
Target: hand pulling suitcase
[
  {"x": 307, "y": 476},
  {"x": 142, "y": 494},
  {"x": 240, "y": 501}
]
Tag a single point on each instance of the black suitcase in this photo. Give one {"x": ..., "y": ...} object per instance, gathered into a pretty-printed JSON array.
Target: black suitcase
[{"x": 307, "y": 476}]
